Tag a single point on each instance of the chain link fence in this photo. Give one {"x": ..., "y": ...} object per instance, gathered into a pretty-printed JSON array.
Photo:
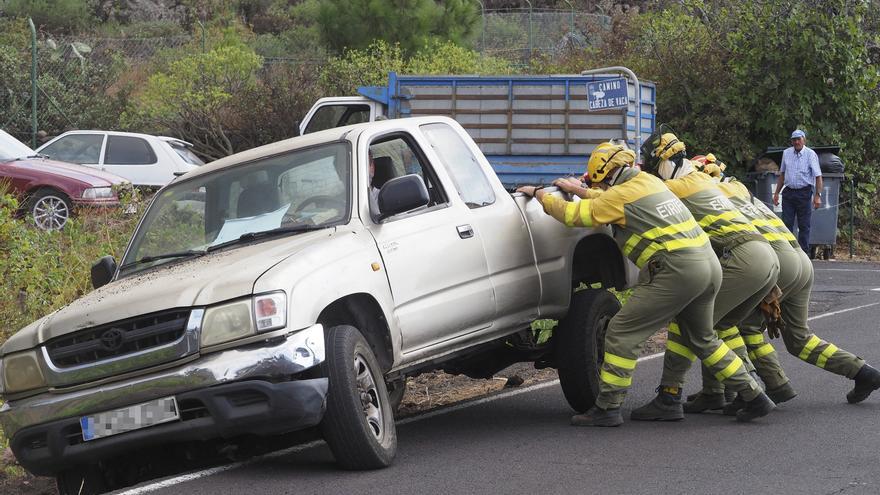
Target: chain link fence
[
  {"x": 79, "y": 79},
  {"x": 520, "y": 34}
]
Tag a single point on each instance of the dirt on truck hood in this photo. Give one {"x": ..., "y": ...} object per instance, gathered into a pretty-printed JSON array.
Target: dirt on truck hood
[{"x": 209, "y": 279}]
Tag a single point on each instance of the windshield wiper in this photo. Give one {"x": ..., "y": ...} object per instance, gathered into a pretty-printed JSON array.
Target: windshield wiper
[
  {"x": 180, "y": 254},
  {"x": 36, "y": 155},
  {"x": 250, "y": 236}
]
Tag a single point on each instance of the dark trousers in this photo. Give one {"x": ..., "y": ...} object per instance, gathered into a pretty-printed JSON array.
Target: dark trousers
[{"x": 798, "y": 203}]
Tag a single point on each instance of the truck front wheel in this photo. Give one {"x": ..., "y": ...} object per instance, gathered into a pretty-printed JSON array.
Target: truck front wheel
[
  {"x": 580, "y": 345},
  {"x": 359, "y": 422}
]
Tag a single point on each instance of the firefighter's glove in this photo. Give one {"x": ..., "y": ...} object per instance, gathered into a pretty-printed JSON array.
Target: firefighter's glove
[{"x": 773, "y": 313}]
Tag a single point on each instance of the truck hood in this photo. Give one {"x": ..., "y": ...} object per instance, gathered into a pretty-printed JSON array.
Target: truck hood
[
  {"x": 210, "y": 279},
  {"x": 94, "y": 177}
]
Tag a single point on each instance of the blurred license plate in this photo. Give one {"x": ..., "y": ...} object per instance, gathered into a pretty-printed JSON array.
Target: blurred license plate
[{"x": 130, "y": 418}]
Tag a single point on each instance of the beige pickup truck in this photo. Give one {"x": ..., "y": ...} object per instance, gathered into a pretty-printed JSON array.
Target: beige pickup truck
[{"x": 297, "y": 285}]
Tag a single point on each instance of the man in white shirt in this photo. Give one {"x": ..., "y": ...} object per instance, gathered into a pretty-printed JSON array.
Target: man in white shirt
[{"x": 799, "y": 172}]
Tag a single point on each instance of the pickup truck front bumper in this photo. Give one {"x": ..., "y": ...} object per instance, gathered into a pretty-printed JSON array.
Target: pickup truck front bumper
[{"x": 246, "y": 390}]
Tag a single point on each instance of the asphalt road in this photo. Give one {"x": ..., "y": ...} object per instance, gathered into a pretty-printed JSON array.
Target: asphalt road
[{"x": 522, "y": 442}]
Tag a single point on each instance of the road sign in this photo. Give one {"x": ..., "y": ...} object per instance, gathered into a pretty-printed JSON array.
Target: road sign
[{"x": 608, "y": 93}]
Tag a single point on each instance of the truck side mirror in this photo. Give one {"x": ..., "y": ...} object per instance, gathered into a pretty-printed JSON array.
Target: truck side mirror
[
  {"x": 402, "y": 194},
  {"x": 103, "y": 271}
]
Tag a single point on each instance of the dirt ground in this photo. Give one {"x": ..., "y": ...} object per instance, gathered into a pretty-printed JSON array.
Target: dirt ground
[{"x": 438, "y": 389}]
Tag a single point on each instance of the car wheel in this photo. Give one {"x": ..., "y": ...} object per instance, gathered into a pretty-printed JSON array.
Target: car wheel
[
  {"x": 359, "y": 422},
  {"x": 49, "y": 208},
  {"x": 87, "y": 480},
  {"x": 581, "y": 345}
]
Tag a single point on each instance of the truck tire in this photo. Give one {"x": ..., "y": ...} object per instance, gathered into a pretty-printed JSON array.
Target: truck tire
[
  {"x": 581, "y": 345},
  {"x": 359, "y": 422},
  {"x": 87, "y": 480}
]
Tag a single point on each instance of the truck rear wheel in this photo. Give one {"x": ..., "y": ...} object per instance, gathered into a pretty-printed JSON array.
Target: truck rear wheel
[
  {"x": 359, "y": 422},
  {"x": 581, "y": 345}
]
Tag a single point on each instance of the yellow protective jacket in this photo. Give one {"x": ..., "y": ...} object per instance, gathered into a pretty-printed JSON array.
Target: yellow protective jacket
[
  {"x": 715, "y": 213},
  {"x": 770, "y": 226},
  {"x": 647, "y": 216}
]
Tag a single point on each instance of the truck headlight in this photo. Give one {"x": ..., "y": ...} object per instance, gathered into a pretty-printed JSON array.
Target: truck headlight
[
  {"x": 244, "y": 317},
  {"x": 227, "y": 322},
  {"x": 22, "y": 372},
  {"x": 98, "y": 193}
]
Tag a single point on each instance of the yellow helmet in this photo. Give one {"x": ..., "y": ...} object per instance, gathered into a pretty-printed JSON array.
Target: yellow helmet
[
  {"x": 667, "y": 146},
  {"x": 605, "y": 158}
]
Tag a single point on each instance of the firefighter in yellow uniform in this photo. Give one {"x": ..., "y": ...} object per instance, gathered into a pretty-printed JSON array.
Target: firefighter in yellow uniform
[
  {"x": 795, "y": 281},
  {"x": 749, "y": 272},
  {"x": 679, "y": 278}
]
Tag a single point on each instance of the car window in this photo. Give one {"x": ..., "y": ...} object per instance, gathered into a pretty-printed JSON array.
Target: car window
[
  {"x": 129, "y": 150},
  {"x": 330, "y": 116},
  {"x": 466, "y": 172},
  {"x": 186, "y": 153},
  {"x": 396, "y": 156},
  {"x": 301, "y": 189},
  {"x": 76, "y": 148}
]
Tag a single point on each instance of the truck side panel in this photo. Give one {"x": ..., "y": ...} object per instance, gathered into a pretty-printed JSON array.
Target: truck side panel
[{"x": 524, "y": 115}]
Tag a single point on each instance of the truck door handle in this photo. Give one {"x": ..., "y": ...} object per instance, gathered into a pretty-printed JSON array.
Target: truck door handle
[{"x": 465, "y": 231}]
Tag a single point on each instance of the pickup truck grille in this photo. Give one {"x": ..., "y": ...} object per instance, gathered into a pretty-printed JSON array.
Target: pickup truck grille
[{"x": 117, "y": 339}]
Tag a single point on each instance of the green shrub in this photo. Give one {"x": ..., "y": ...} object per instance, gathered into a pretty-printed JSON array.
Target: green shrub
[
  {"x": 53, "y": 15},
  {"x": 370, "y": 66},
  {"x": 42, "y": 271}
]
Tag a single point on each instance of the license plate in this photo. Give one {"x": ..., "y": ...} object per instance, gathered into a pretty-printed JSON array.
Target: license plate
[{"x": 130, "y": 418}]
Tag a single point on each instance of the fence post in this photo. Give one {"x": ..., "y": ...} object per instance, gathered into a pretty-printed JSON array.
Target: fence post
[
  {"x": 570, "y": 17},
  {"x": 202, "y": 28},
  {"x": 33, "y": 82},
  {"x": 530, "y": 29},
  {"x": 483, "y": 32}
]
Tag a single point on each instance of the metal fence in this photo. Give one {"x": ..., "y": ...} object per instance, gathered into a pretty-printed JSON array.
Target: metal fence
[
  {"x": 520, "y": 34},
  {"x": 46, "y": 87}
]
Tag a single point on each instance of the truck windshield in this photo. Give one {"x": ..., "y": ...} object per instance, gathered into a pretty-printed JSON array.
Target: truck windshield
[{"x": 284, "y": 194}]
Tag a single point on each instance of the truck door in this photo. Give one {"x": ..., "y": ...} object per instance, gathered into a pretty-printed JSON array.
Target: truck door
[
  {"x": 498, "y": 221},
  {"x": 433, "y": 257}
]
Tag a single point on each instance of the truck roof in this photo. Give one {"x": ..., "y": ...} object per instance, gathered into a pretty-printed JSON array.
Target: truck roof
[{"x": 312, "y": 139}]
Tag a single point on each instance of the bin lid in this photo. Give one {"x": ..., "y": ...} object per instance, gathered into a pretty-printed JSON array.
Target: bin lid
[{"x": 775, "y": 152}]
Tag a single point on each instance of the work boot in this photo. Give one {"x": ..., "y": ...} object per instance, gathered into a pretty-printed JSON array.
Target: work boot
[
  {"x": 596, "y": 416},
  {"x": 705, "y": 402},
  {"x": 729, "y": 395},
  {"x": 867, "y": 380},
  {"x": 734, "y": 406},
  {"x": 665, "y": 407},
  {"x": 782, "y": 393},
  {"x": 755, "y": 408}
]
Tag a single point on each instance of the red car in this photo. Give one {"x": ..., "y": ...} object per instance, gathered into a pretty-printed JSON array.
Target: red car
[{"x": 52, "y": 190}]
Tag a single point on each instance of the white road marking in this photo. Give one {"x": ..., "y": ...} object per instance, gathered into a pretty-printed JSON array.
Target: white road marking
[
  {"x": 158, "y": 485},
  {"x": 412, "y": 419},
  {"x": 843, "y": 270},
  {"x": 823, "y": 315}
]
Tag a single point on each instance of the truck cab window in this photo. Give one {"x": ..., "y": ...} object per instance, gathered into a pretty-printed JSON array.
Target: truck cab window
[
  {"x": 466, "y": 172},
  {"x": 397, "y": 156},
  {"x": 330, "y": 116}
]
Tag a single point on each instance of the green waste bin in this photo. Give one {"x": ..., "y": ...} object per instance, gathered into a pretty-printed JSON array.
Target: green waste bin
[{"x": 823, "y": 223}]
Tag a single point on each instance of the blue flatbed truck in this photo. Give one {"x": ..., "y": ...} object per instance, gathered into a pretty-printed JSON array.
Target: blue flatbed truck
[{"x": 532, "y": 129}]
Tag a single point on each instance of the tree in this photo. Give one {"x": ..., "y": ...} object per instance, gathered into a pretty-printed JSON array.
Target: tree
[
  {"x": 199, "y": 96},
  {"x": 354, "y": 24}
]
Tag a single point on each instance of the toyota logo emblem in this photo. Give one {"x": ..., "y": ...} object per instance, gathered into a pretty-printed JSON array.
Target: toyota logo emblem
[{"x": 112, "y": 339}]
